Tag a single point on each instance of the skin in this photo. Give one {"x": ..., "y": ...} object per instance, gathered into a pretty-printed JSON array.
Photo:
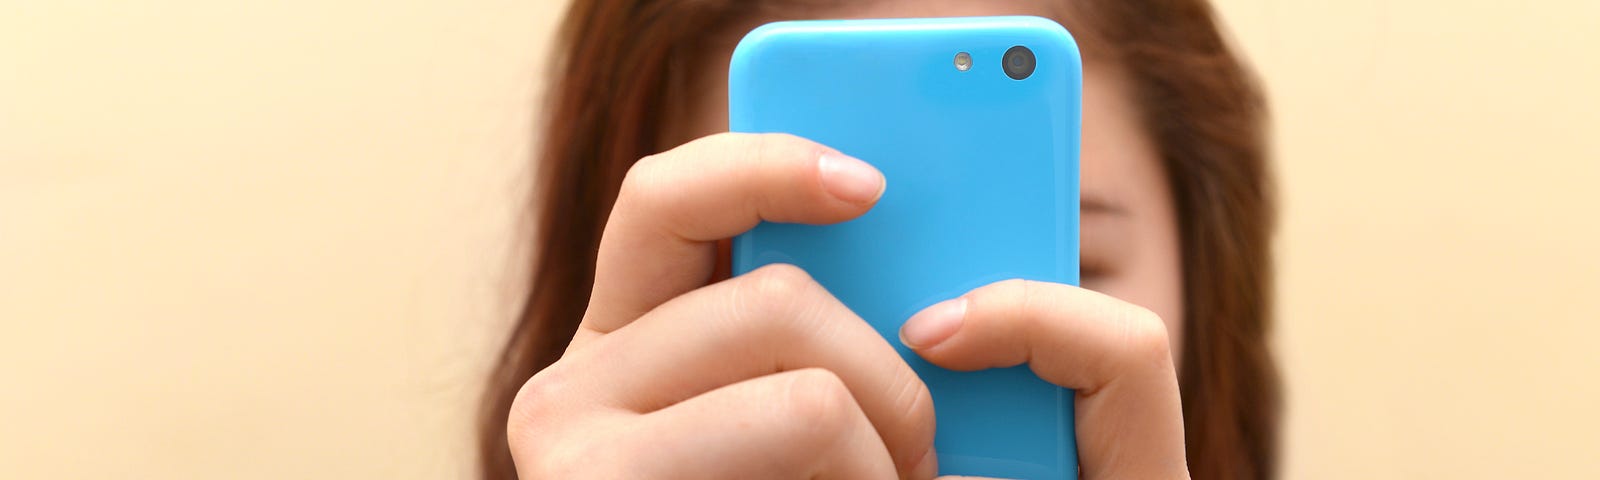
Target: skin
[{"x": 675, "y": 373}]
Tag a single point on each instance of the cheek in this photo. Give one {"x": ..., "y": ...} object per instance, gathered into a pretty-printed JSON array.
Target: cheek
[
  {"x": 1153, "y": 276},
  {"x": 1120, "y": 161},
  {"x": 1155, "y": 283},
  {"x": 1139, "y": 253}
]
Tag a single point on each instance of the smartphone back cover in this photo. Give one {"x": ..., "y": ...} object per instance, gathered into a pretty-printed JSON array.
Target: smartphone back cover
[{"x": 982, "y": 177}]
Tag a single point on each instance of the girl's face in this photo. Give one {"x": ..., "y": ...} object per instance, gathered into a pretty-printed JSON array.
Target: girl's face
[{"x": 1129, "y": 232}]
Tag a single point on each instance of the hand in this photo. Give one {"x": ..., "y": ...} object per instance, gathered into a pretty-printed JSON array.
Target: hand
[
  {"x": 1114, "y": 354},
  {"x": 760, "y": 376}
]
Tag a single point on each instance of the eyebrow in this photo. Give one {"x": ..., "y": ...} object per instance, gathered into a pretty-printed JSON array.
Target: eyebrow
[{"x": 1089, "y": 203}]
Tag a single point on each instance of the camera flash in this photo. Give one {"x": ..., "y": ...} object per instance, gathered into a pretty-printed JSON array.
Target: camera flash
[{"x": 963, "y": 61}]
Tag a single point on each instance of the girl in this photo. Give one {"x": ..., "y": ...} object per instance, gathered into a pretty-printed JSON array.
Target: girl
[{"x": 637, "y": 357}]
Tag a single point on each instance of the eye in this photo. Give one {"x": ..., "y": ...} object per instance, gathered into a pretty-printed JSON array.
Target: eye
[
  {"x": 1091, "y": 268},
  {"x": 1094, "y": 281}
]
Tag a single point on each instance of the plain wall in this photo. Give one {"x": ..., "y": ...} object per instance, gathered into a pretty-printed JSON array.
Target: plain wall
[
  {"x": 257, "y": 239},
  {"x": 279, "y": 240},
  {"x": 1440, "y": 287}
]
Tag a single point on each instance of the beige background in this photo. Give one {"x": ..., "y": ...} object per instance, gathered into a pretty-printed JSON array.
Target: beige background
[{"x": 274, "y": 239}]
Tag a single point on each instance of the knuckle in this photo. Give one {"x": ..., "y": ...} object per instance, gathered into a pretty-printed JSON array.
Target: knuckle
[
  {"x": 1011, "y": 297},
  {"x": 919, "y": 405},
  {"x": 541, "y": 446},
  {"x": 1012, "y": 291},
  {"x": 535, "y": 410},
  {"x": 574, "y": 459},
  {"x": 771, "y": 290},
  {"x": 782, "y": 152},
  {"x": 781, "y": 302},
  {"x": 641, "y": 180},
  {"x": 783, "y": 279},
  {"x": 1013, "y": 286},
  {"x": 913, "y": 396},
  {"x": 819, "y": 406},
  {"x": 1145, "y": 336},
  {"x": 776, "y": 145}
]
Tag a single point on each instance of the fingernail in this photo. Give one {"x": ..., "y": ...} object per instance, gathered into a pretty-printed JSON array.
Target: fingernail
[
  {"x": 934, "y": 324},
  {"x": 849, "y": 179}
]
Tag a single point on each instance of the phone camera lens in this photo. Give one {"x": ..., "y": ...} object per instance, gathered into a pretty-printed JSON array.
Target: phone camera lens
[{"x": 1018, "y": 62}]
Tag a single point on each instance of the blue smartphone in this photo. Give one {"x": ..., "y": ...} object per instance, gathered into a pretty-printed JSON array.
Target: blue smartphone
[{"x": 974, "y": 123}]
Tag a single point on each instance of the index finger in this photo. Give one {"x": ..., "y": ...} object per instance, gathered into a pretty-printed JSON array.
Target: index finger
[
  {"x": 658, "y": 243},
  {"x": 1115, "y": 354},
  {"x": 771, "y": 320}
]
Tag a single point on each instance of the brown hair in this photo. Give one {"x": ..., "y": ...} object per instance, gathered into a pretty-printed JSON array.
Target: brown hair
[{"x": 616, "y": 65}]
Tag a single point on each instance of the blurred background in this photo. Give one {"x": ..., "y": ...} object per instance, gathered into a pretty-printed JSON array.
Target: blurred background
[{"x": 280, "y": 239}]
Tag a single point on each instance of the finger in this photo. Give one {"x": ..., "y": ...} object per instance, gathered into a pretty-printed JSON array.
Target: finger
[
  {"x": 1115, "y": 354},
  {"x": 794, "y": 424},
  {"x": 672, "y": 206},
  {"x": 770, "y": 320}
]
